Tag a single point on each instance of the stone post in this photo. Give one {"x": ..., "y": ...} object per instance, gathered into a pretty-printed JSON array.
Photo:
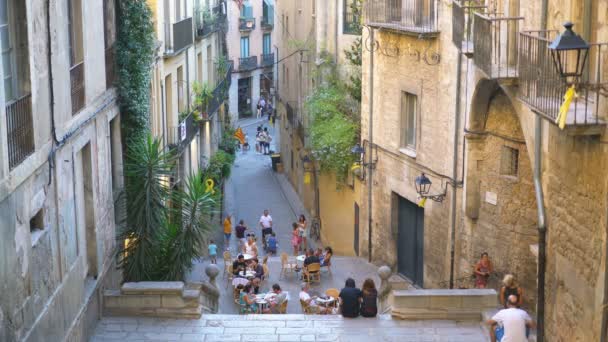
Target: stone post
[
  {"x": 210, "y": 293},
  {"x": 385, "y": 288}
]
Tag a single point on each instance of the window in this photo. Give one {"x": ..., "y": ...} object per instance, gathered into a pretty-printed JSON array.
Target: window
[
  {"x": 15, "y": 56},
  {"x": 76, "y": 55},
  {"x": 109, "y": 29},
  {"x": 350, "y": 17},
  {"x": 244, "y": 47},
  {"x": 509, "y": 161},
  {"x": 409, "y": 106},
  {"x": 246, "y": 10},
  {"x": 266, "y": 42},
  {"x": 180, "y": 90},
  {"x": 37, "y": 226}
]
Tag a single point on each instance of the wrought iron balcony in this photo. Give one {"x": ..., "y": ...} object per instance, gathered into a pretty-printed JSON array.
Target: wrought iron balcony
[
  {"x": 462, "y": 23},
  {"x": 267, "y": 23},
  {"x": 178, "y": 36},
  {"x": 210, "y": 21},
  {"x": 246, "y": 24},
  {"x": 248, "y": 63},
  {"x": 77, "y": 87},
  {"x": 220, "y": 94},
  {"x": 110, "y": 67},
  {"x": 542, "y": 88},
  {"x": 418, "y": 17},
  {"x": 495, "y": 40},
  {"x": 351, "y": 24},
  {"x": 267, "y": 59},
  {"x": 180, "y": 136},
  {"x": 20, "y": 130}
]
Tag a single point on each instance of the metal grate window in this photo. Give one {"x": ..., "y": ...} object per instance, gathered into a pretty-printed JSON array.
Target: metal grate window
[
  {"x": 509, "y": 161},
  {"x": 409, "y": 106}
]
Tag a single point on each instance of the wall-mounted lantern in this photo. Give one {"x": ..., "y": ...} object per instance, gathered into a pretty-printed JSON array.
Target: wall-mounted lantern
[
  {"x": 569, "y": 52},
  {"x": 423, "y": 187}
]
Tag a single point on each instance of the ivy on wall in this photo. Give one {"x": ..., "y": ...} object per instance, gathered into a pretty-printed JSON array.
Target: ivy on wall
[{"x": 134, "y": 57}]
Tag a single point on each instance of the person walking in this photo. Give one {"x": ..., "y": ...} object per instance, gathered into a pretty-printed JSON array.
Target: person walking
[
  {"x": 240, "y": 233},
  {"x": 510, "y": 288},
  {"x": 227, "y": 231},
  {"x": 295, "y": 239},
  {"x": 265, "y": 225},
  {"x": 511, "y": 324},
  {"x": 212, "y": 251},
  {"x": 304, "y": 230}
]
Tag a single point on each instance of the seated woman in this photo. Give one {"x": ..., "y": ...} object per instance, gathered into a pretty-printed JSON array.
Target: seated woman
[
  {"x": 326, "y": 261},
  {"x": 247, "y": 299},
  {"x": 369, "y": 299},
  {"x": 251, "y": 248}
]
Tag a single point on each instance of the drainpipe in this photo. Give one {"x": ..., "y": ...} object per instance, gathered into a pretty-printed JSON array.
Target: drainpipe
[
  {"x": 370, "y": 137},
  {"x": 540, "y": 205},
  {"x": 454, "y": 169},
  {"x": 336, "y": 31},
  {"x": 587, "y": 31}
]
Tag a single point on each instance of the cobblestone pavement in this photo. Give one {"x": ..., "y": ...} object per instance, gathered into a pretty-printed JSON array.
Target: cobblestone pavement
[{"x": 285, "y": 328}]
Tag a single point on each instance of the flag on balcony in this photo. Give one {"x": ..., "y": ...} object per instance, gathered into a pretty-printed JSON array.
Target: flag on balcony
[
  {"x": 240, "y": 135},
  {"x": 565, "y": 107}
]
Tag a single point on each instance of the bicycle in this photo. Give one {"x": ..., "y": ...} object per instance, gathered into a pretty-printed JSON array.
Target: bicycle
[{"x": 315, "y": 229}]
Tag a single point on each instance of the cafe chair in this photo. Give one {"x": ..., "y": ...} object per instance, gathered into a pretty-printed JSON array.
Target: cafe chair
[
  {"x": 306, "y": 308},
  {"x": 333, "y": 293},
  {"x": 227, "y": 261},
  {"x": 283, "y": 307},
  {"x": 228, "y": 275},
  {"x": 266, "y": 272},
  {"x": 312, "y": 273},
  {"x": 286, "y": 266}
]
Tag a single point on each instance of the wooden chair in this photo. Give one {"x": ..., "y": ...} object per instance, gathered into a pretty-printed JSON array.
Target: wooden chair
[
  {"x": 266, "y": 272},
  {"x": 286, "y": 266},
  {"x": 333, "y": 293},
  {"x": 306, "y": 308},
  {"x": 283, "y": 307},
  {"x": 228, "y": 275},
  {"x": 312, "y": 273},
  {"x": 328, "y": 265},
  {"x": 227, "y": 261}
]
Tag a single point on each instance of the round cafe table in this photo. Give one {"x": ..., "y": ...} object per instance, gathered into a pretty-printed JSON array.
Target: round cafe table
[
  {"x": 247, "y": 274},
  {"x": 247, "y": 256},
  {"x": 325, "y": 301},
  {"x": 262, "y": 303}
]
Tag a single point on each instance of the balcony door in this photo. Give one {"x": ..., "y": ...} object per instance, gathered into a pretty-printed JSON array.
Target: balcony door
[
  {"x": 266, "y": 44},
  {"x": 410, "y": 240},
  {"x": 244, "y": 47}
]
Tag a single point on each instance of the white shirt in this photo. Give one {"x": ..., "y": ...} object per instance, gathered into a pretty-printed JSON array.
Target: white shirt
[
  {"x": 304, "y": 296},
  {"x": 514, "y": 322},
  {"x": 266, "y": 221}
]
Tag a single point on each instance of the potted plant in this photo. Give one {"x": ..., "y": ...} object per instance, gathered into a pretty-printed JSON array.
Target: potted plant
[{"x": 202, "y": 98}]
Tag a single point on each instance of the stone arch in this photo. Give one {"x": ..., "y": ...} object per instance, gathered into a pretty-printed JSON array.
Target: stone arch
[{"x": 500, "y": 211}]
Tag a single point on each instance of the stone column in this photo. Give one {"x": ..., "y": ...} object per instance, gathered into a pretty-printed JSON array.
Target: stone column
[
  {"x": 385, "y": 288},
  {"x": 210, "y": 293}
]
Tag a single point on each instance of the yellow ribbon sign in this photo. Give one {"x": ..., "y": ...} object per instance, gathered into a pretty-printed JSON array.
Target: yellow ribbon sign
[
  {"x": 210, "y": 184},
  {"x": 565, "y": 107},
  {"x": 422, "y": 202},
  {"x": 355, "y": 166}
]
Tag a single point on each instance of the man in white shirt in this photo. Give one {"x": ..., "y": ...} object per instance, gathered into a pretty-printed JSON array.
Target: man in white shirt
[
  {"x": 305, "y": 297},
  {"x": 510, "y": 324},
  {"x": 266, "y": 225}
]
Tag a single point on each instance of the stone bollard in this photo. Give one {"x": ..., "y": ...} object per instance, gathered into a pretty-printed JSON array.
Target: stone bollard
[
  {"x": 384, "y": 272},
  {"x": 209, "y": 288}
]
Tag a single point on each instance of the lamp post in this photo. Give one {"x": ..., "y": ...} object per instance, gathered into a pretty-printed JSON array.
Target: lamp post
[
  {"x": 423, "y": 188},
  {"x": 569, "y": 52}
]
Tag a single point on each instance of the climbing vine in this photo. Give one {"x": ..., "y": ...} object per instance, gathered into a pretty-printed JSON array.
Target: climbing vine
[{"x": 134, "y": 57}]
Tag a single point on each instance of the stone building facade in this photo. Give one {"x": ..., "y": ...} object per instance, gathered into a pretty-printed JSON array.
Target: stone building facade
[
  {"x": 459, "y": 90},
  {"x": 252, "y": 43},
  {"x": 191, "y": 42},
  {"x": 312, "y": 33},
  {"x": 60, "y": 166}
]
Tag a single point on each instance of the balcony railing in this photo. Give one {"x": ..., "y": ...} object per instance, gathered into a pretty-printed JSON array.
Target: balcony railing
[
  {"x": 495, "y": 40},
  {"x": 20, "y": 130},
  {"x": 220, "y": 94},
  {"x": 178, "y": 36},
  {"x": 210, "y": 21},
  {"x": 77, "y": 87},
  {"x": 110, "y": 67},
  {"x": 543, "y": 89},
  {"x": 351, "y": 24},
  {"x": 248, "y": 63},
  {"x": 462, "y": 23},
  {"x": 246, "y": 24},
  {"x": 182, "y": 135},
  {"x": 409, "y": 16},
  {"x": 267, "y": 59},
  {"x": 267, "y": 23}
]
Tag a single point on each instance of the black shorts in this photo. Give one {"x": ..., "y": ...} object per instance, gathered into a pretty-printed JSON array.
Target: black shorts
[{"x": 266, "y": 231}]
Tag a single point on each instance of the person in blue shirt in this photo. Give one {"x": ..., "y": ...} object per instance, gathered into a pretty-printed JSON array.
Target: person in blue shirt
[
  {"x": 212, "y": 252},
  {"x": 272, "y": 244}
]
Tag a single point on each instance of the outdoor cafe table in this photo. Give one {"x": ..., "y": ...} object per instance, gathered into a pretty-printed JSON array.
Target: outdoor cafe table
[
  {"x": 261, "y": 301},
  {"x": 325, "y": 301},
  {"x": 247, "y": 274}
]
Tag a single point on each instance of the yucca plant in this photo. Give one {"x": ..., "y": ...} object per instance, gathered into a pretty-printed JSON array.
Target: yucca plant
[
  {"x": 148, "y": 168},
  {"x": 186, "y": 235}
]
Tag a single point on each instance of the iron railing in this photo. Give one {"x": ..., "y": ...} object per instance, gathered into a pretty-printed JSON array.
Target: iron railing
[
  {"x": 77, "y": 87},
  {"x": 180, "y": 136},
  {"x": 462, "y": 23},
  {"x": 20, "y": 130},
  {"x": 543, "y": 89},
  {"x": 412, "y": 16},
  {"x": 246, "y": 24},
  {"x": 110, "y": 67},
  {"x": 248, "y": 63},
  {"x": 495, "y": 40},
  {"x": 209, "y": 21},
  {"x": 267, "y": 59},
  {"x": 220, "y": 94},
  {"x": 178, "y": 36},
  {"x": 351, "y": 24}
]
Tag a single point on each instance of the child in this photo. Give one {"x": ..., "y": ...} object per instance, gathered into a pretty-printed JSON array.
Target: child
[
  {"x": 272, "y": 244},
  {"x": 213, "y": 252}
]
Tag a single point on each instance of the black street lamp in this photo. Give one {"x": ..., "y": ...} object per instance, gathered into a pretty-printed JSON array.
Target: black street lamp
[
  {"x": 569, "y": 52},
  {"x": 423, "y": 187}
]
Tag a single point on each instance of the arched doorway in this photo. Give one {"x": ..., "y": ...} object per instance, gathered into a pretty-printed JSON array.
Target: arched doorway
[{"x": 500, "y": 205}]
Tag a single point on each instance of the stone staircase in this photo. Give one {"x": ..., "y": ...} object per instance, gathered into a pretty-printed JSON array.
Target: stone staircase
[{"x": 285, "y": 328}]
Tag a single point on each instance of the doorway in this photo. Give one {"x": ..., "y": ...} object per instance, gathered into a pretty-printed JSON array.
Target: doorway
[
  {"x": 356, "y": 239},
  {"x": 410, "y": 241},
  {"x": 245, "y": 97}
]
